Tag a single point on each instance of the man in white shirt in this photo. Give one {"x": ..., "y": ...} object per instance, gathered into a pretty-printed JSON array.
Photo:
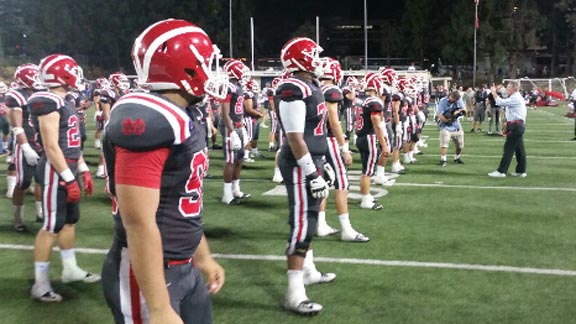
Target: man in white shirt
[{"x": 515, "y": 109}]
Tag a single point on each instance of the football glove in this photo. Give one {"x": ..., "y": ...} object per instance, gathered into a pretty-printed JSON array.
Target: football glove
[
  {"x": 29, "y": 154},
  {"x": 329, "y": 174},
  {"x": 88, "y": 183},
  {"x": 235, "y": 142},
  {"x": 73, "y": 192},
  {"x": 318, "y": 186}
]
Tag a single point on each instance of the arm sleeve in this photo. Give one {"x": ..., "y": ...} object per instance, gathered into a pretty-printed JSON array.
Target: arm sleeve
[
  {"x": 292, "y": 116},
  {"x": 142, "y": 169}
]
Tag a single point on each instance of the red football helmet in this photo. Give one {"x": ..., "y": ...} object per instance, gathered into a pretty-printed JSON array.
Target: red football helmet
[
  {"x": 102, "y": 83},
  {"x": 235, "y": 69},
  {"x": 58, "y": 70},
  {"x": 26, "y": 76},
  {"x": 119, "y": 80},
  {"x": 252, "y": 85},
  {"x": 389, "y": 76},
  {"x": 405, "y": 86},
  {"x": 372, "y": 81},
  {"x": 332, "y": 70},
  {"x": 302, "y": 54},
  {"x": 352, "y": 82},
  {"x": 176, "y": 54},
  {"x": 275, "y": 82}
]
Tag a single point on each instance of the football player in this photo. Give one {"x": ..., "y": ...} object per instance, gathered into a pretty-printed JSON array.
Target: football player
[
  {"x": 57, "y": 125},
  {"x": 233, "y": 131},
  {"x": 338, "y": 156},
  {"x": 102, "y": 85},
  {"x": 302, "y": 115},
  {"x": 252, "y": 115},
  {"x": 4, "y": 123},
  {"x": 27, "y": 150},
  {"x": 156, "y": 161},
  {"x": 369, "y": 130}
]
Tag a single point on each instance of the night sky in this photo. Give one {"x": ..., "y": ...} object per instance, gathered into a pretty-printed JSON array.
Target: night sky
[{"x": 275, "y": 22}]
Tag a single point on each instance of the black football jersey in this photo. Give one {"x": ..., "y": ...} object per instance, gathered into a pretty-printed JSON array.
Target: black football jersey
[
  {"x": 364, "y": 124},
  {"x": 69, "y": 137},
  {"x": 19, "y": 98},
  {"x": 236, "y": 103},
  {"x": 144, "y": 122},
  {"x": 293, "y": 89},
  {"x": 332, "y": 94}
]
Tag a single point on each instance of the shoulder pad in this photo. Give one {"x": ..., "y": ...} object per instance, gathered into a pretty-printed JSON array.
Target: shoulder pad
[
  {"x": 397, "y": 96},
  {"x": 248, "y": 95},
  {"x": 374, "y": 104},
  {"x": 332, "y": 93},
  {"x": 107, "y": 95},
  {"x": 293, "y": 89},
  {"x": 143, "y": 122},
  {"x": 15, "y": 98},
  {"x": 44, "y": 102}
]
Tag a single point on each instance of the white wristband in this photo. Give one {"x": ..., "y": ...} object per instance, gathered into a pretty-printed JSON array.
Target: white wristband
[
  {"x": 67, "y": 175},
  {"x": 345, "y": 148},
  {"x": 307, "y": 164},
  {"x": 83, "y": 168},
  {"x": 17, "y": 130}
]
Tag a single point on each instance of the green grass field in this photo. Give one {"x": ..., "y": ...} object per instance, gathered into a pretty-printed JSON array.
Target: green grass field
[{"x": 455, "y": 215}]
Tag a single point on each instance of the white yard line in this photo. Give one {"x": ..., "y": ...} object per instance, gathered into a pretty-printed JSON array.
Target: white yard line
[
  {"x": 441, "y": 185},
  {"x": 386, "y": 263}
]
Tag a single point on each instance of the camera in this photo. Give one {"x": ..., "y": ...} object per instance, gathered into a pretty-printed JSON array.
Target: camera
[{"x": 453, "y": 114}]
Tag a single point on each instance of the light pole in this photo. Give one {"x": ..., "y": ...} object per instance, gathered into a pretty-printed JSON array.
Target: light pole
[
  {"x": 230, "y": 24},
  {"x": 365, "y": 37}
]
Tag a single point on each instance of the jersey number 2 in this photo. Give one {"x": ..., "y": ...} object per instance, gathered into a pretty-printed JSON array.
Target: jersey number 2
[
  {"x": 191, "y": 206},
  {"x": 73, "y": 131}
]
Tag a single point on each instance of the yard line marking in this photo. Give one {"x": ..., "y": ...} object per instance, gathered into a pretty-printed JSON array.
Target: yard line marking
[
  {"x": 501, "y": 140},
  {"x": 528, "y": 156},
  {"x": 388, "y": 263},
  {"x": 438, "y": 185}
]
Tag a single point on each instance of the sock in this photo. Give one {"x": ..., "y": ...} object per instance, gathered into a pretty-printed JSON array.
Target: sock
[
  {"x": 411, "y": 155},
  {"x": 309, "y": 265},
  {"x": 100, "y": 169},
  {"x": 442, "y": 157},
  {"x": 246, "y": 154},
  {"x": 5, "y": 145},
  {"x": 345, "y": 222},
  {"x": 270, "y": 144},
  {"x": 321, "y": 219},
  {"x": 379, "y": 171},
  {"x": 296, "y": 290},
  {"x": 456, "y": 157},
  {"x": 227, "y": 189},
  {"x": 97, "y": 143},
  {"x": 236, "y": 186},
  {"x": 18, "y": 214},
  {"x": 10, "y": 184},
  {"x": 68, "y": 259},
  {"x": 39, "y": 209},
  {"x": 255, "y": 151},
  {"x": 41, "y": 271}
]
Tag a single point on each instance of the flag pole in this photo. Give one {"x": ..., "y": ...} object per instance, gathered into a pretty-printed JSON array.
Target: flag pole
[{"x": 476, "y": 2}]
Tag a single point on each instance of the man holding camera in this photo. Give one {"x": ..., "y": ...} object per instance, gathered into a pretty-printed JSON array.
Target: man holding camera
[{"x": 448, "y": 114}]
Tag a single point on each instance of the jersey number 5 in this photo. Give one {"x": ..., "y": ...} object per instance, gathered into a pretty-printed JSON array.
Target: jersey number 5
[{"x": 191, "y": 205}]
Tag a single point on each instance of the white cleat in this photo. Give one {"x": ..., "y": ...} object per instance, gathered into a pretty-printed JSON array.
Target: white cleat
[
  {"x": 325, "y": 230},
  {"x": 354, "y": 237},
  {"x": 318, "y": 278},
  {"x": 496, "y": 174},
  {"x": 371, "y": 205},
  {"x": 305, "y": 307},
  {"x": 384, "y": 181},
  {"x": 79, "y": 275},
  {"x": 277, "y": 178},
  {"x": 45, "y": 294}
]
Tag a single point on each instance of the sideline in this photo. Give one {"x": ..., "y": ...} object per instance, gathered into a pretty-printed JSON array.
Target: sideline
[{"x": 386, "y": 263}]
